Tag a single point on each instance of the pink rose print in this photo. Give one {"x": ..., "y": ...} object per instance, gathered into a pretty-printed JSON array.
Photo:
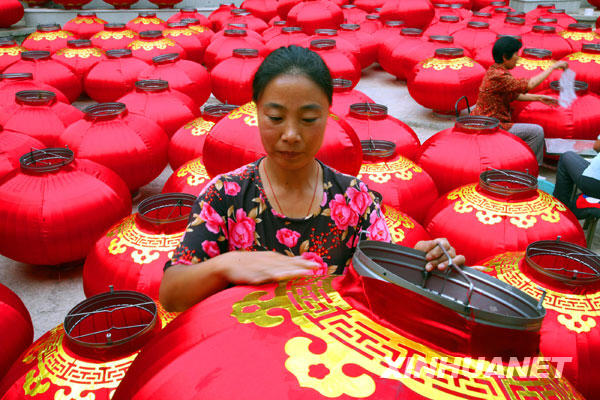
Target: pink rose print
[
  {"x": 231, "y": 188},
  {"x": 214, "y": 221},
  {"x": 241, "y": 231},
  {"x": 287, "y": 237},
  {"x": 353, "y": 242},
  {"x": 378, "y": 229},
  {"x": 275, "y": 213},
  {"x": 341, "y": 213},
  {"x": 211, "y": 248},
  {"x": 323, "y": 269},
  {"x": 324, "y": 201},
  {"x": 359, "y": 200}
]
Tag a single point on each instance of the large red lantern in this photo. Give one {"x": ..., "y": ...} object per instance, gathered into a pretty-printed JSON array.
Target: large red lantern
[
  {"x": 353, "y": 14},
  {"x": 438, "y": 82},
  {"x": 561, "y": 15},
  {"x": 189, "y": 13},
  {"x": 142, "y": 151},
  {"x": 474, "y": 36},
  {"x": 85, "y": 25},
  {"x": 155, "y": 100},
  {"x": 189, "y": 39},
  {"x": 531, "y": 63},
  {"x": 350, "y": 48},
  {"x": 457, "y": 9},
  {"x": 315, "y": 14},
  {"x": 10, "y": 52},
  {"x": 586, "y": 64},
  {"x": 234, "y": 141},
  {"x": 372, "y": 23},
  {"x": 456, "y": 156},
  {"x": 221, "y": 48},
  {"x": 369, "y": 6},
  {"x": 284, "y": 7},
  {"x": 36, "y": 3},
  {"x": 545, "y": 37},
  {"x": 165, "y": 3},
  {"x": 398, "y": 54},
  {"x": 400, "y": 335},
  {"x": 579, "y": 34},
  {"x": 273, "y": 30},
  {"x": 11, "y": 12},
  {"x": 185, "y": 76},
  {"x": 263, "y": 9},
  {"x": 114, "y": 77},
  {"x": 218, "y": 17},
  {"x": 415, "y": 13},
  {"x": 203, "y": 33},
  {"x": 80, "y": 56},
  {"x": 549, "y": 22},
  {"x": 371, "y": 121},
  {"x": 510, "y": 26},
  {"x": 482, "y": 17},
  {"x": 289, "y": 35},
  {"x": 244, "y": 27},
  {"x": 90, "y": 353},
  {"x": 564, "y": 277},
  {"x": 12, "y": 146},
  {"x": 133, "y": 253},
  {"x": 151, "y": 44},
  {"x": 72, "y": 4},
  {"x": 190, "y": 178},
  {"x": 242, "y": 16},
  {"x": 232, "y": 78},
  {"x": 402, "y": 184},
  {"x": 344, "y": 96},
  {"x": 114, "y": 36},
  {"x": 491, "y": 8},
  {"x": 341, "y": 65},
  {"x": 48, "y": 37},
  {"x": 38, "y": 114},
  {"x": 389, "y": 31},
  {"x": 484, "y": 55},
  {"x": 503, "y": 212},
  {"x": 579, "y": 121},
  {"x": 121, "y": 4},
  {"x": 366, "y": 43},
  {"x": 146, "y": 21},
  {"x": 445, "y": 26},
  {"x": 46, "y": 70},
  {"x": 539, "y": 11},
  {"x": 61, "y": 204},
  {"x": 403, "y": 229},
  {"x": 187, "y": 143},
  {"x": 16, "y": 326}
]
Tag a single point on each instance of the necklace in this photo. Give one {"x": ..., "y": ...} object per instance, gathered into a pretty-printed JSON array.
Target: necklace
[{"x": 275, "y": 195}]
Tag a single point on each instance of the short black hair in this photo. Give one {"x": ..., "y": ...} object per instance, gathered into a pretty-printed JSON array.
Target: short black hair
[
  {"x": 505, "y": 47},
  {"x": 293, "y": 60}
]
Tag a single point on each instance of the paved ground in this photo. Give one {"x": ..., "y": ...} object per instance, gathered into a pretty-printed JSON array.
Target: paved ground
[{"x": 49, "y": 293}]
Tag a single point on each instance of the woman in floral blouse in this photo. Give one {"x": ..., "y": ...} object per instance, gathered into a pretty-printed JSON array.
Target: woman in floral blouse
[{"x": 286, "y": 215}]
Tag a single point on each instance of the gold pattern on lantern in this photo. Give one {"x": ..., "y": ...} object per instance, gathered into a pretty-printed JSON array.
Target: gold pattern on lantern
[
  {"x": 576, "y": 312},
  {"x": 145, "y": 247},
  {"x": 195, "y": 172},
  {"x": 584, "y": 57},
  {"x": 441, "y": 64},
  {"x": 89, "y": 20},
  {"x": 147, "y": 21},
  {"x": 151, "y": 45},
  {"x": 37, "y": 36},
  {"x": 106, "y": 35},
  {"x": 248, "y": 111},
  {"x": 199, "y": 126},
  {"x": 523, "y": 214},
  {"x": 11, "y": 51},
  {"x": 381, "y": 172},
  {"x": 531, "y": 65},
  {"x": 178, "y": 32},
  {"x": 589, "y": 36},
  {"x": 396, "y": 223},
  {"x": 198, "y": 28},
  {"x": 351, "y": 338},
  {"x": 79, "y": 53}
]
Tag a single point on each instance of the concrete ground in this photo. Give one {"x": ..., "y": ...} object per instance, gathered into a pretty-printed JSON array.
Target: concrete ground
[{"x": 49, "y": 293}]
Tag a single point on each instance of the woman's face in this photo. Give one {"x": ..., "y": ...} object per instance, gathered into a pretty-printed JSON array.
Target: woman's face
[{"x": 292, "y": 115}]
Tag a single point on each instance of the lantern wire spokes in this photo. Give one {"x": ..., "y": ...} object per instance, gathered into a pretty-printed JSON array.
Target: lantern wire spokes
[
  {"x": 46, "y": 160},
  {"x": 176, "y": 206},
  {"x": 572, "y": 271}
]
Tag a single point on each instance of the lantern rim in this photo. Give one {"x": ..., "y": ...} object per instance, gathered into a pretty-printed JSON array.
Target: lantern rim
[
  {"x": 394, "y": 23},
  {"x": 166, "y": 58},
  {"x": 541, "y": 54},
  {"x": 456, "y": 5},
  {"x": 482, "y": 14},
  {"x": 478, "y": 25},
  {"x": 521, "y": 182},
  {"x": 557, "y": 11},
  {"x": 518, "y": 14},
  {"x": 377, "y": 9},
  {"x": 52, "y": 159},
  {"x": 341, "y": 85},
  {"x": 502, "y": 10},
  {"x": 240, "y": 12},
  {"x": 515, "y": 21},
  {"x": 178, "y": 24},
  {"x": 113, "y": 26},
  {"x": 591, "y": 48},
  {"x": 326, "y": 32},
  {"x": 450, "y": 18},
  {"x": 477, "y": 124},
  {"x": 547, "y": 20},
  {"x": 368, "y": 110},
  {"x": 104, "y": 111},
  {"x": 411, "y": 32},
  {"x": 543, "y": 29},
  {"x": 235, "y": 32},
  {"x": 152, "y": 34},
  {"x": 377, "y": 149},
  {"x": 441, "y": 39},
  {"x": 279, "y": 23},
  {"x": 441, "y": 5},
  {"x": 79, "y": 43},
  {"x": 188, "y": 10},
  {"x": 48, "y": 27},
  {"x": 32, "y": 55},
  {"x": 372, "y": 17},
  {"x": 20, "y": 76},
  {"x": 35, "y": 97},
  {"x": 190, "y": 21},
  {"x": 580, "y": 27},
  {"x": 118, "y": 53},
  {"x": 165, "y": 200},
  {"x": 580, "y": 87},
  {"x": 7, "y": 41},
  {"x": 236, "y": 25},
  {"x": 245, "y": 53},
  {"x": 449, "y": 52},
  {"x": 152, "y": 85},
  {"x": 147, "y": 14},
  {"x": 86, "y": 14},
  {"x": 498, "y": 3},
  {"x": 219, "y": 110},
  {"x": 323, "y": 44},
  {"x": 349, "y": 6},
  {"x": 291, "y": 29}
]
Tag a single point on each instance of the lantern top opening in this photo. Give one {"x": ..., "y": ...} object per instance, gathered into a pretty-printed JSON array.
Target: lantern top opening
[
  {"x": 348, "y": 6},
  {"x": 7, "y": 41},
  {"x": 322, "y": 44},
  {"x": 186, "y": 10},
  {"x": 152, "y": 85},
  {"x": 85, "y": 14},
  {"x": 218, "y": 111},
  {"x": 372, "y": 17},
  {"x": 394, "y": 24},
  {"x": 541, "y": 54},
  {"x": 546, "y": 5},
  {"x": 46, "y": 160},
  {"x": 279, "y": 23},
  {"x": 593, "y": 48},
  {"x": 291, "y": 29},
  {"x": 35, "y": 55},
  {"x": 450, "y": 52},
  {"x": 190, "y": 21},
  {"x": 35, "y": 97},
  {"x": 114, "y": 26},
  {"x": 514, "y": 20},
  {"x": 547, "y": 20},
  {"x": 245, "y": 53},
  {"x": 502, "y": 10},
  {"x": 237, "y": 25},
  {"x": 518, "y": 14},
  {"x": 21, "y": 76},
  {"x": 166, "y": 58},
  {"x": 478, "y": 25},
  {"x": 326, "y": 32},
  {"x": 151, "y": 34},
  {"x": 411, "y": 32},
  {"x": 441, "y": 39},
  {"x": 580, "y": 87},
  {"x": 166, "y": 208},
  {"x": 235, "y": 32},
  {"x": 557, "y": 11},
  {"x": 118, "y": 53},
  {"x": 104, "y": 111},
  {"x": 79, "y": 43},
  {"x": 544, "y": 29},
  {"x": 177, "y": 25},
  {"x": 377, "y": 149},
  {"x": 369, "y": 110},
  {"x": 477, "y": 123},
  {"x": 449, "y": 18},
  {"x": 508, "y": 183},
  {"x": 482, "y": 14},
  {"x": 147, "y": 14},
  {"x": 48, "y": 27},
  {"x": 580, "y": 27},
  {"x": 240, "y": 12},
  {"x": 341, "y": 85}
]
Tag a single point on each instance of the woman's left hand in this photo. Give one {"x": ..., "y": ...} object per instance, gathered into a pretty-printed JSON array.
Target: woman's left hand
[{"x": 435, "y": 256}]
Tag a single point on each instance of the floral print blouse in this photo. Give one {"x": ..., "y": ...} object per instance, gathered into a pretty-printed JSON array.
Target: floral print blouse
[{"x": 233, "y": 213}]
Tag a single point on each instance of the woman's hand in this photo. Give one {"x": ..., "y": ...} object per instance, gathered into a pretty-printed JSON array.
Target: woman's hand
[
  {"x": 560, "y": 65},
  {"x": 257, "y": 267},
  {"x": 435, "y": 256},
  {"x": 548, "y": 100}
]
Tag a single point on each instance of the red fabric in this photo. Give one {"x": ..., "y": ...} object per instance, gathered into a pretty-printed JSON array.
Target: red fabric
[
  {"x": 273, "y": 29},
  {"x": 232, "y": 78},
  {"x": 506, "y": 26},
  {"x": 121, "y": 4},
  {"x": 263, "y": 9},
  {"x": 85, "y": 26},
  {"x": 113, "y": 78},
  {"x": 415, "y": 13},
  {"x": 372, "y": 24},
  {"x": 351, "y": 49},
  {"x": 81, "y": 58},
  {"x": 11, "y": 84},
  {"x": 10, "y": 53},
  {"x": 113, "y": 38},
  {"x": 398, "y": 54},
  {"x": 50, "y": 40},
  {"x": 72, "y": 4},
  {"x": 252, "y": 23},
  {"x": 12, "y": 146},
  {"x": 146, "y": 22},
  {"x": 369, "y": 5},
  {"x": 165, "y": 3},
  {"x": 343, "y": 97},
  {"x": 147, "y": 48},
  {"x": 563, "y": 19},
  {"x": 190, "y": 178},
  {"x": 445, "y": 27},
  {"x": 286, "y": 38},
  {"x": 189, "y": 13},
  {"x": 529, "y": 66},
  {"x": 353, "y": 14},
  {"x": 342, "y": 65},
  {"x": 221, "y": 48},
  {"x": 366, "y": 43},
  {"x": 578, "y": 36},
  {"x": 315, "y": 14},
  {"x": 388, "y": 31},
  {"x": 11, "y": 12},
  {"x": 218, "y": 16},
  {"x": 537, "y": 12},
  {"x": 190, "y": 40},
  {"x": 403, "y": 229},
  {"x": 548, "y": 40},
  {"x": 16, "y": 326},
  {"x": 472, "y": 38}
]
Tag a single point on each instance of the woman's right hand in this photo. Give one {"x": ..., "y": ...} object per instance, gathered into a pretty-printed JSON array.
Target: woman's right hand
[
  {"x": 257, "y": 267},
  {"x": 560, "y": 65}
]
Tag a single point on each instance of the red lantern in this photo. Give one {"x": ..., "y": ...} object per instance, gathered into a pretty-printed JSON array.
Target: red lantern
[
  {"x": 38, "y": 114},
  {"x": 146, "y": 21},
  {"x": 243, "y": 27},
  {"x": 133, "y": 253},
  {"x": 531, "y": 63},
  {"x": 578, "y": 34},
  {"x": 549, "y": 22},
  {"x": 142, "y": 151},
  {"x": 562, "y": 17},
  {"x": 341, "y": 65},
  {"x": 85, "y": 25},
  {"x": 545, "y": 37},
  {"x": 504, "y": 212},
  {"x": 218, "y": 17},
  {"x": 539, "y": 11},
  {"x": 121, "y": 4},
  {"x": 48, "y": 37},
  {"x": 11, "y": 12},
  {"x": 369, "y": 6},
  {"x": 189, "y": 13},
  {"x": 415, "y": 13},
  {"x": 481, "y": 17},
  {"x": 90, "y": 353},
  {"x": 474, "y": 36},
  {"x": 438, "y": 82},
  {"x": 187, "y": 143},
  {"x": 80, "y": 56},
  {"x": 263, "y": 9},
  {"x": 189, "y": 39},
  {"x": 402, "y": 183},
  {"x": 511, "y": 26},
  {"x": 389, "y": 31},
  {"x": 151, "y": 44},
  {"x": 447, "y": 25},
  {"x": 586, "y": 64},
  {"x": 353, "y": 14},
  {"x": 491, "y": 8},
  {"x": 456, "y": 156},
  {"x": 35, "y": 3},
  {"x": 202, "y": 32},
  {"x": 222, "y": 48},
  {"x": 190, "y": 178},
  {"x": 153, "y": 99},
  {"x": 48, "y": 71},
  {"x": 484, "y": 56},
  {"x": 113, "y": 37},
  {"x": 456, "y": 9},
  {"x": 499, "y": 15},
  {"x": 188, "y": 77},
  {"x": 564, "y": 277},
  {"x": 315, "y": 14},
  {"x": 366, "y": 43},
  {"x": 580, "y": 121},
  {"x": 403, "y": 229},
  {"x": 371, "y": 121},
  {"x": 72, "y": 4},
  {"x": 16, "y": 326},
  {"x": 232, "y": 78},
  {"x": 165, "y": 3},
  {"x": 12, "y": 146},
  {"x": 225, "y": 150},
  {"x": 290, "y": 35},
  {"x": 344, "y": 96},
  {"x": 372, "y": 23},
  {"x": 61, "y": 204},
  {"x": 114, "y": 77},
  {"x": 10, "y": 52},
  {"x": 273, "y": 30},
  {"x": 241, "y": 16}
]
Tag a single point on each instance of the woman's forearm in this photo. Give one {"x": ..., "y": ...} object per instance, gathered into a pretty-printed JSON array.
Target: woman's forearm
[
  {"x": 535, "y": 81},
  {"x": 527, "y": 97}
]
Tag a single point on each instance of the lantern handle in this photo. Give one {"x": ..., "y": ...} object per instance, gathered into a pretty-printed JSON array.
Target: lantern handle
[
  {"x": 461, "y": 273},
  {"x": 457, "y": 111}
]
